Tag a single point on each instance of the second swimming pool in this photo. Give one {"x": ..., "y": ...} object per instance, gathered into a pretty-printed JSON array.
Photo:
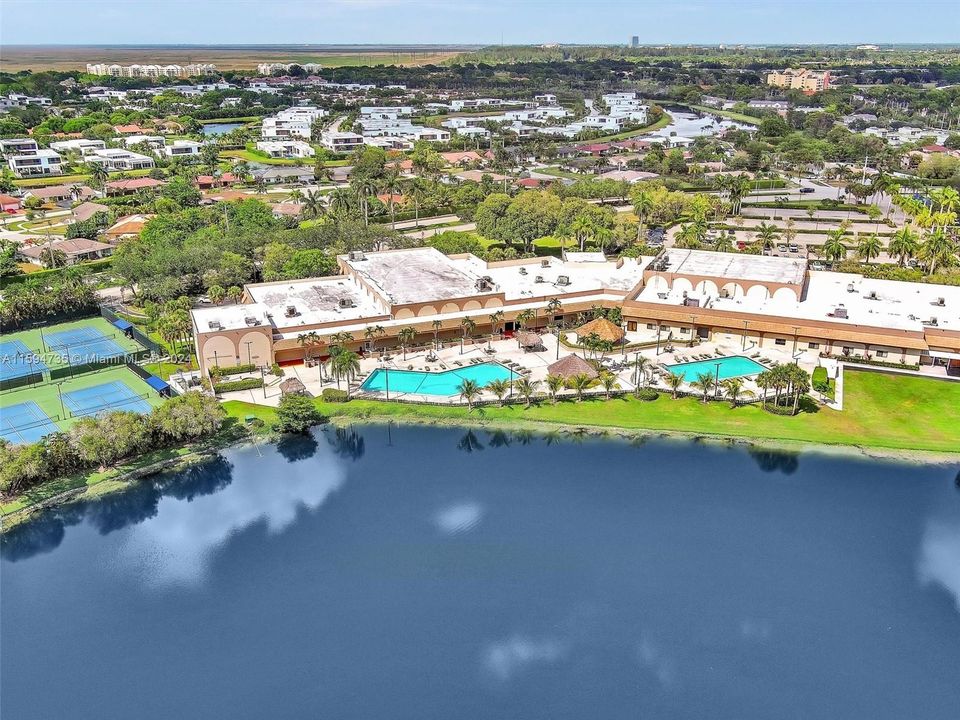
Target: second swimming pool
[
  {"x": 730, "y": 367},
  {"x": 435, "y": 383}
]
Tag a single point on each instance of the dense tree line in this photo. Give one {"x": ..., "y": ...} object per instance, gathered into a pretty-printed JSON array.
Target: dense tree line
[{"x": 104, "y": 440}]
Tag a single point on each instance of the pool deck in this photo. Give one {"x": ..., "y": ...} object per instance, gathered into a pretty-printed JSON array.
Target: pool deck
[{"x": 532, "y": 364}]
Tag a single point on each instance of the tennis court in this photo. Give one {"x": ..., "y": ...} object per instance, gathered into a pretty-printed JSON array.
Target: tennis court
[
  {"x": 108, "y": 396},
  {"x": 25, "y": 423},
  {"x": 83, "y": 345},
  {"x": 17, "y": 360}
]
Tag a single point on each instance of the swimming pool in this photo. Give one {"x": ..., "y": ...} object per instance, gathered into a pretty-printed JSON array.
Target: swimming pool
[
  {"x": 730, "y": 367},
  {"x": 435, "y": 383}
]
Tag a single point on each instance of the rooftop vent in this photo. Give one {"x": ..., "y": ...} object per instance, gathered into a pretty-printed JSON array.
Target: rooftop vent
[
  {"x": 346, "y": 303},
  {"x": 483, "y": 284},
  {"x": 544, "y": 263},
  {"x": 941, "y": 302},
  {"x": 931, "y": 321},
  {"x": 251, "y": 321},
  {"x": 215, "y": 325},
  {"x": 523, "y": 271},
  {"x": 538, "y": 279},
  {"x": 872, "y": 295},
  {"x": 563, "y": 279},
  {"x": 851, "y": 288},
  {"x": 356, "y": 255},
  {"x": 840, "y": 312},
  {"x": 291, "y": 311}
]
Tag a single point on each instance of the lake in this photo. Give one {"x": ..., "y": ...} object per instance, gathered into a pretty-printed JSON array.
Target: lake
[
  {"x": 220, "y": 128},
  {"x": 412, "y": 573}
]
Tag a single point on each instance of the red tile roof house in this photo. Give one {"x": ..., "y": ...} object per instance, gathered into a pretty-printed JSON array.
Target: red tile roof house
[
  {"x": 8, "y": 203},
  {"x": 126, "y": 187},
  {"x": 74, "y": 250},
  {"x": 935, "y": 149},
  {"x": 205, "y": 182},
  {"x": 129, "y": 130},
  {"x": 596, "y": 148},
  {"x": 531, "y": 182}
]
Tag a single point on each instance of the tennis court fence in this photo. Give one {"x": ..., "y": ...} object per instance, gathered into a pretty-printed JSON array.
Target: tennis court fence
[
  {"x": 107, "y": 404},
  {"x": 138, "y": 335}
]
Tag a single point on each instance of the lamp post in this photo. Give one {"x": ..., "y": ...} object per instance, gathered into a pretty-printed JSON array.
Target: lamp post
[
  {"x": 796, "y": 331},
  {"x": 248, "y": 343},
  {"x": 623, "y": 340},
  {"x": 659, "y": 327},
  {"x": 716, "y": 383},
  {"x": 63, "y": 413},
  {"x": 743, "y": 345}
]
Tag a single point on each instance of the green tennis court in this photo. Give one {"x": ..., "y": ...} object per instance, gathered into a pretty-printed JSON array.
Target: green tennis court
[{"x": 63, "y": 344}]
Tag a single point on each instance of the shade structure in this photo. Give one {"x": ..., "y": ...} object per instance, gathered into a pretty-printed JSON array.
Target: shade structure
[
  {"x": 292, "y": 386},
  {"x": 571, "y": 365},
  {"x": 529, "y": 340},
  {"x": 602, "y": 328}
]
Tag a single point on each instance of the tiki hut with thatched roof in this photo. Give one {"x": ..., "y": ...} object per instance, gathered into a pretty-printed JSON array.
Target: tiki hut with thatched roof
[
  {"x": 602, "y": 328},
  {"x": 293, "y": 386},
  {"x": 571, "y": 365},
  {"x": 530, "y": 341}
]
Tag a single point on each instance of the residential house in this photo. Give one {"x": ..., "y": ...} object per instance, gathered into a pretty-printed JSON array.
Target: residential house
[
  {"x": 128, "y": 187},
  {"x": 118, "y": 159},
  {"x": 9, "y": 204},
  {"x": 189, "y": 149},
  {"x": 341, "y": 141},
  {"x": 292, "y": 122},
  {"x": 86, "y": 210},
  {"x": 74, "y": 250},
  {"x": 276, "y": 175},
  {"x": 286, "y": 148},
  {"x": 207, "y": 182},
  {"x": 82, "y": 146},
  {"x": 60, "y": 194},
  {"x": 129, "y": 226}
]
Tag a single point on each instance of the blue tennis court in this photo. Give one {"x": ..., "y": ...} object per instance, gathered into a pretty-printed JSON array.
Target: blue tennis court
[
  {"x": 24, "y": 423},
  {"x": 17, "y": 360},
  {"x": 102, "y": 398},
  {"x": 84, "y": 345}
]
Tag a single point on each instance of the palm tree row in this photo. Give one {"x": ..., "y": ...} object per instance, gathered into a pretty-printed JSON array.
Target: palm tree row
[{"x": 788, "y": 383}]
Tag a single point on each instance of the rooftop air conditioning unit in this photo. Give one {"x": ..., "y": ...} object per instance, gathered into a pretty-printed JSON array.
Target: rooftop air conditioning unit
[
  {"x": 941, "y": 302},
  {"x": 345, "y": 303},
  {"x": 544, "y": 263},
  {"x": 251, "y": 321},
  {"x": 872, "y": 295},
  {"x": 840, "y": 312},
  {"x": 563, "y": 279},
  {"x": 215, "y": 325},
  {"x": 932, "y": 321},
  {"x": 538, "y": 279},
  {"x": 356, "y": 255},
  {"x": 851, "y": 288},
  {"x": 523, "y": 271},
  {"x": 291, "y": 311}
]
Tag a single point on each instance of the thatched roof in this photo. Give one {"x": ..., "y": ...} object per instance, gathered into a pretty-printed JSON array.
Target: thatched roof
[
  {"x": 570, "y": 365},
  {"x": 292, "y": 386},
  {"x": 603, "y": 328},
  {"x": 529, "y": 340}
]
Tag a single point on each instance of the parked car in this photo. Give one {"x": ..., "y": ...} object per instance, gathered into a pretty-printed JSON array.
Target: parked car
[
  {"x": 794, "y": 248},
  {"x": 817, "y": 266},
  {"x": 806, "y": 190},
  {"x": 782, "y": 247}
]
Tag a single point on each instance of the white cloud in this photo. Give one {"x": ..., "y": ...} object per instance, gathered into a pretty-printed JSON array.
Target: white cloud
[
  {"x": 459, "y": 518},
  {"x": 653, "y": 659},
  {"x": 505, "y": 658},
  {"x": 176, "y": 546},
  {"x": 940, "y": 557}
]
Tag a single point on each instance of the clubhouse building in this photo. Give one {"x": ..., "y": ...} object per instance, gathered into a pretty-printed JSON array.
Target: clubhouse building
[{"x": 678, "y": 296}]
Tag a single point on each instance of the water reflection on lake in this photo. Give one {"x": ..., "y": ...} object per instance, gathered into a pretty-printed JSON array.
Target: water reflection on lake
[
  {"x": 416, "y": 572},
  {"x": 220, "y": 128}
]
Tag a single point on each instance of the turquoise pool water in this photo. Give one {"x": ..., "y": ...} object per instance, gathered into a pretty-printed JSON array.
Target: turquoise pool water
[
  {"x": 730, "y": 367},
  {"x": 435, "y": 383}
]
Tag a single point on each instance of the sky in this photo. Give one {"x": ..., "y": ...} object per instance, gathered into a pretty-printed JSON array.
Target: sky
[{"x": 486, "y": 22}]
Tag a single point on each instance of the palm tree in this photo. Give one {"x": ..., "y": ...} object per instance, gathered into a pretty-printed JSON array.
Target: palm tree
[
  {"x": 469, "y": 390},
  {"x": 580, "y": 382},
  {"x": 392, "y": 185},
  {"x": 642, "y": 205},
  {"x": 98, "y": 174},
  {"x": 609, "y": 382},
  {"x": 904, "y": 245},
  {"x": 767, "y": 235},
  {"x": 704, "y": 383},
  {"x": 347, "y": 364},
  {"x": 527, "y": 389},
  {"x": 734, "y": 390},
  {"x": 833, "y": 248},
  {"x": 371, "y": 333},
  {"x": 674, "y": 381},
  {"x": 554, "y": 306},
  {"x": 340, "y": 202},
  {"x": 640, "y": 365},
  {"x": 406, "y": 337},
  {"x": 869, "y": 247},
  {"x": 467, "y": 326},
  {"x": 555, "y": 384},
  {"x": 437, "y": 324},
  {"x": 525, "y": 316},
  {"x": 937, "y": 250},
  {"x": 308, "y": 341},
  {"x": 312, "y": 203},
  {"x": 499, "y": 388}
]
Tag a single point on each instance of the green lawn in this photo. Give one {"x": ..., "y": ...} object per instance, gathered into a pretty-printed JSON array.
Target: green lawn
[
  {"x": 881, "y": 410},
  {"x": 48, "y": 180}
]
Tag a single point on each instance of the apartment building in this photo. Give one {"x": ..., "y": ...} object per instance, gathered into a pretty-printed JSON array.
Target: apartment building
[
  {"x": 809, "y": 81},
  {"x": 151, "y": 70}
]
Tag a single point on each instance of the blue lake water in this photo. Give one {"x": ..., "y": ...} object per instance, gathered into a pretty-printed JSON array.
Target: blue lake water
[
  {"x": 220, "y": 128},
  {"x": 420, "y": 573},
  {"x": 726, "y": 367},
  {"x": 435, "y": 383}
]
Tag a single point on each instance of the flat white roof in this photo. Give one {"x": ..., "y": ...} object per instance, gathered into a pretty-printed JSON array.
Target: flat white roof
[
  {"x": 417, "y": 275},
  {"x": 228, "y": 317},
  {"x": 734, "y": 266},
  {"x": 315, "y": 301}
]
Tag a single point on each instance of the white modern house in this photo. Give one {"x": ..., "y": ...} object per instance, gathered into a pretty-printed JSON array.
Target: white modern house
[
  {"x": 183, "y": 149},
  {"x": 154, "y": 141},
  {"x": 341, "y": 141},
  {"x": 292, "y": 122},
  {"x": 115, "y": 159},
  {"x": 286, "y": 148},
  {"x": 80, "y": 145},
  {"x": 18, "y": 146},
  {"x": 35, "y": 162}
]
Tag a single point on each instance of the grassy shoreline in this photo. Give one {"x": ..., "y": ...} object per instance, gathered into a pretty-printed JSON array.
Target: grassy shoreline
[{"x": 909, "y": 419}]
